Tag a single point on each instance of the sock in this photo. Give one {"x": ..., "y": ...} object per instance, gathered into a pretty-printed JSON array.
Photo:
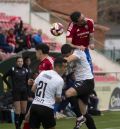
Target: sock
[
  {"x": 89, "y": 121},
  {"x": 17, "y": 116},
  {"x": 26, "y": 125},
  {"x": 22, "y": 116},
  {"x": 75, "y": 106}
]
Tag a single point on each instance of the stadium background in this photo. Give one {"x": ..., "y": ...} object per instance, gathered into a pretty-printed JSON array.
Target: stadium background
[{"x": 41, "y": 14}]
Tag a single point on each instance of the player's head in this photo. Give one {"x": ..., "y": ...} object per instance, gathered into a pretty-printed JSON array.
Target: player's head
[
  {"x": 66, "y": 50},
  {"x": 27, "y": 61},
  {"x": 19, "y": 61},
  {"x": 78, "y": 18},
  {"x": 60, "y": 65},
  {"x": 41, "y": 51}
]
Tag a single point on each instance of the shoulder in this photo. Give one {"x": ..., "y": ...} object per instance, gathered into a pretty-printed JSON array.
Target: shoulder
[
  {"x": 59, "y": 81},
  {"x": 78, "y": 53},
  {"x": 50, "y": 59},
  {"x": 89, "y": 21},
  {"x": 59, "y": 78},
  {"x": 71, "y": 26},
  {"x": 25, "y": 69}
]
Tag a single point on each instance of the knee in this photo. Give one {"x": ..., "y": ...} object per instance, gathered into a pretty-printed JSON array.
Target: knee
[
  {"x": 23, "y": 111},
  {"x": 70, "y": 92}
]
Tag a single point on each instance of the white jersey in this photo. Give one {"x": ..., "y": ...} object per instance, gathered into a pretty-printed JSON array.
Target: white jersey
[
  {"x": 82, "y": 68},
  {"x": 49, "y": 84}
]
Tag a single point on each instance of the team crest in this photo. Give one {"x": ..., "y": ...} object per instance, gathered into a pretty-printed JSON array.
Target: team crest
[{"x": 23, "y": 72}]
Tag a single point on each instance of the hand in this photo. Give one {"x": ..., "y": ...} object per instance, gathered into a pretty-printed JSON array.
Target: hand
[
  {"x": 30, "y": 82},
  {"x": 81, "y": 47},
  {"x": 92, "y": 46}
]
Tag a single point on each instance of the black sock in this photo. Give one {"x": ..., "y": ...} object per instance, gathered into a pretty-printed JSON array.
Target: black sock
[
  {"x": 22, "y": 116},
  {"x": 17, "y": 116},
  {"x": 75, "y": 106},
  {"x": 89, "y": 121}
]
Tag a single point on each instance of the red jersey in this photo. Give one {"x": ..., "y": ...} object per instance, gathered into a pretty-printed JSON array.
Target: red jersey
[
  {"x": 80, "y": 34},
  {"x": 46, "y": 64},
  {"x": 11, "y": 39}
]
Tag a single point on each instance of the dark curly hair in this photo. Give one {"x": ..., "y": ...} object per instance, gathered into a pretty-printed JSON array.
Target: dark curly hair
[{"x": 75, "y": 16}]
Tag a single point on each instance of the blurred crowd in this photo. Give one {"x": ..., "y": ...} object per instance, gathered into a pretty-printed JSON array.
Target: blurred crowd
[{"x": 18, "y": 38}]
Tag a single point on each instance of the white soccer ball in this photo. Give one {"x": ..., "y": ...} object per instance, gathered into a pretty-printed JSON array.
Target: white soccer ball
[{"x": 57, "y": 29}]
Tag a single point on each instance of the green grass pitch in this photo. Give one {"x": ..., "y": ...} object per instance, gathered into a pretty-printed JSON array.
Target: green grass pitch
[{"x": 109, "y": 120}]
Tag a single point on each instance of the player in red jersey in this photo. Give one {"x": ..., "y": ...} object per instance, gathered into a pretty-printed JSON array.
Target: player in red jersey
[
  {"x": 80, "y": 34},
  {"x": 42, "y": 54}
]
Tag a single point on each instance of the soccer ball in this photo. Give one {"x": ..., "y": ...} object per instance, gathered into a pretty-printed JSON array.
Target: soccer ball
[{"x": 57, "y": 29}]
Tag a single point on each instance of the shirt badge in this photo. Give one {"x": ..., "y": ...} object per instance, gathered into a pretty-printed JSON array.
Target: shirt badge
[{"x": 23, "y": 72}]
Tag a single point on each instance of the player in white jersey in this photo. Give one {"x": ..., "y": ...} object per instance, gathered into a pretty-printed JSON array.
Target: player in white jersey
[
  {"x": 84, "y": 83},
  {"x": 48, "y": 89}
]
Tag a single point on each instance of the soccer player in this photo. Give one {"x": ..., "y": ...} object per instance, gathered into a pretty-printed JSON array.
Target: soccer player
[
  {"x": 84, "y": 83},
  {"x": 42, "y": 54},
  {"x": 19, "y": 76},
  {"x": 48, "y": 88},
  {"x": 80, "y": 34},
  {"x": 46, "y": 63}
]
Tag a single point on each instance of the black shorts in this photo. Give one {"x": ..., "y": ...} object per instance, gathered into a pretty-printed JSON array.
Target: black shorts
[
  {"x": 20, "y": 95},
  {"x": 84, "y": 89},
  {"x": 41, "y": 114}
]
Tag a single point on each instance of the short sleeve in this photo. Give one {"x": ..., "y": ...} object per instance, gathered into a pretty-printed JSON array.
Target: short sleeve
[
  {"x": 59, "y": 88},
  {"x": 70, "y": 31},
  {"x": 91, "y": 25},
  {"x": 78, "y": 53}
]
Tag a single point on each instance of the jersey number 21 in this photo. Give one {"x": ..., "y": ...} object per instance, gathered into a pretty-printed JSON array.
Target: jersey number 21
[{"x": 41, "y": 89}]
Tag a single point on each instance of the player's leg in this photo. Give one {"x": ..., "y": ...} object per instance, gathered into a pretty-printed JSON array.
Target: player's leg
[
  {"x": 48, "y": 120},
  {"x": 17, "y": 113},
  {"x": 23, "y": 104},
  {"x": 70, "y": 92},
  {"x": 73, "y": 100},
  {"x": 81, "y": 119},
  {"x": 17, "y": 107},
  {"x": 83, "y": 90},
  {"x": 75, "y": 106},
  {"x": 83, "y": 103},
  {"x": 89, "y": 120},
  {"x": 35, "y": 117}
]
